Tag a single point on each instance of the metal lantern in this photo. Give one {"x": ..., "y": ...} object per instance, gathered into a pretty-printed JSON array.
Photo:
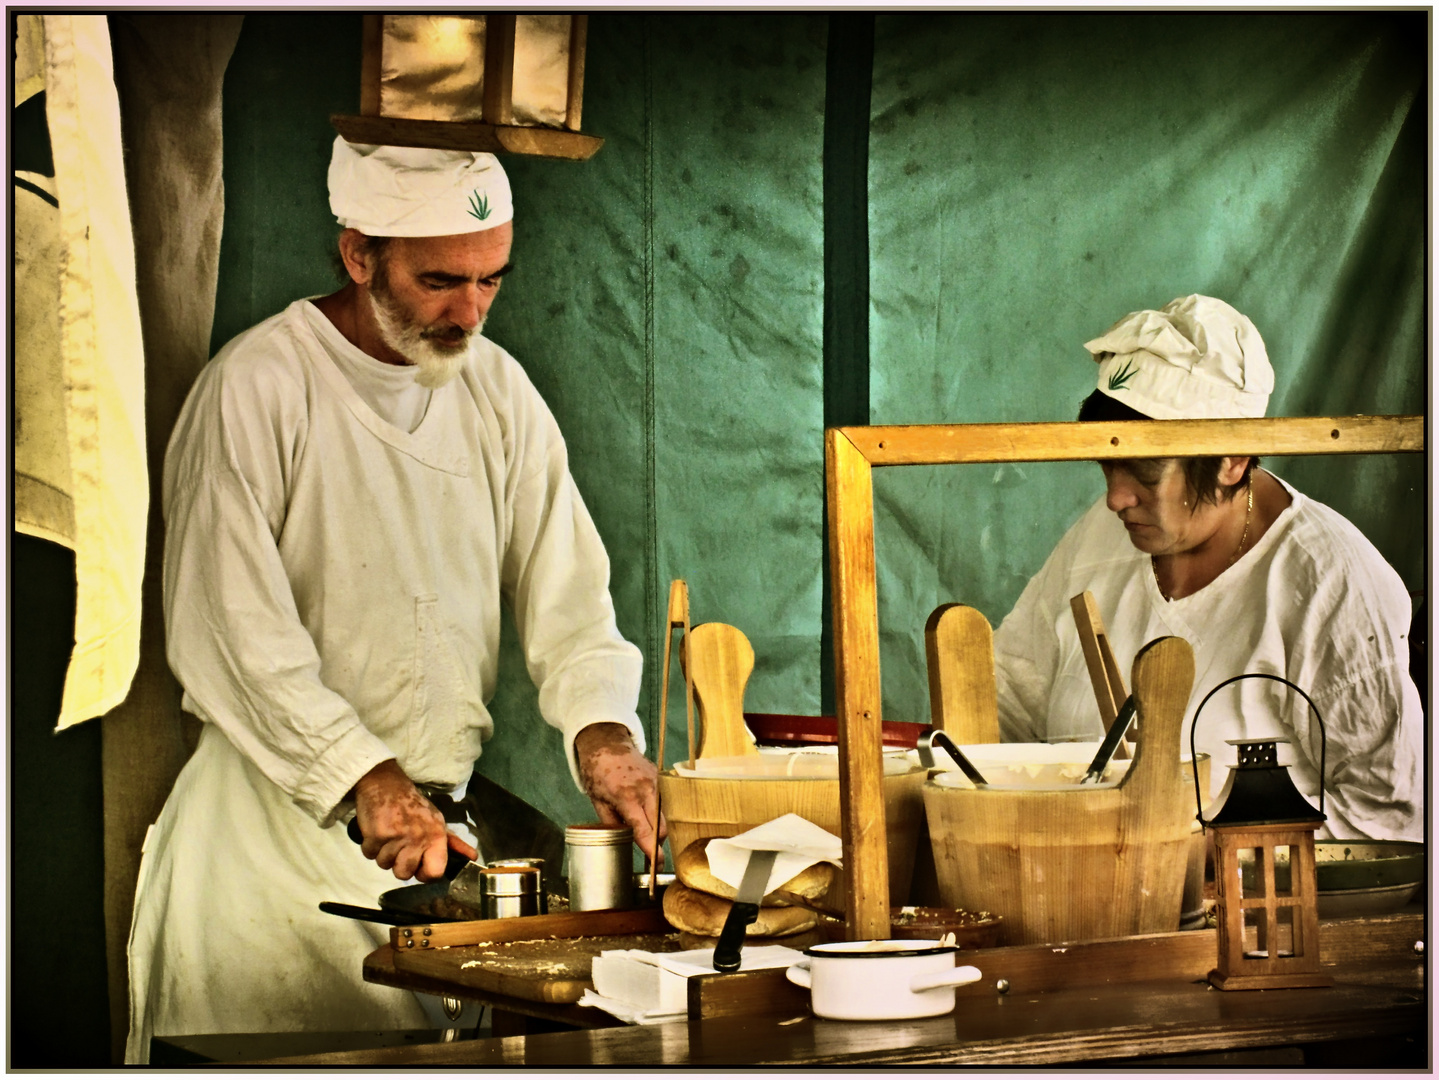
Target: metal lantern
[
  {"x": 1264, "y": 873},
  {"x": 499, "y": 82}
]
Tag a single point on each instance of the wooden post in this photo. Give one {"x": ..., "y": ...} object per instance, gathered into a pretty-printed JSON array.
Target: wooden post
[
  {"x": 499, "y": 69},
  {"x": 372, "y": 33},
  {"x": 850, "y": 497},
  {"x": 574, "y": 100}
]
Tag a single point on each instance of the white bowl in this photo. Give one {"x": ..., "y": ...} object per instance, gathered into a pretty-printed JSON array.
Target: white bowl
[
  {"x": 881, "y": 980},
  {"x": 1026, "y": 766}
]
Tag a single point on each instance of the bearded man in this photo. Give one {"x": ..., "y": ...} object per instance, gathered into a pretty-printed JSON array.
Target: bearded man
[
  {"x": 352, "y": 489},
  {"x": 1255, "y": 575}
]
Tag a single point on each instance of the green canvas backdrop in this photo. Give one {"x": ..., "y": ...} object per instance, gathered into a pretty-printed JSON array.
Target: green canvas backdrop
[{"x": 1035, "y": 176}]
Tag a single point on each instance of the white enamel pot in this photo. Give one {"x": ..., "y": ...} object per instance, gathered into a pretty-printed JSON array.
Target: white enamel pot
[{"x": 881, "y": 980}]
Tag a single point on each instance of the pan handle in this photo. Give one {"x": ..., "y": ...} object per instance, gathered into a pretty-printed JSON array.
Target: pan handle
[{"x": 389, "y": 918}]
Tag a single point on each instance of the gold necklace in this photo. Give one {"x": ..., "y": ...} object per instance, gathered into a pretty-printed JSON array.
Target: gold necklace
[
  {"x": 1248, "y": 513},
  {"x": 1243, "y": 537}
]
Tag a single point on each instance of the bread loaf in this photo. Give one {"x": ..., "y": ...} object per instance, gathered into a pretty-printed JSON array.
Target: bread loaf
[
  {"x": 692, "y": 868},
  {"x": 704, "y": 914}
]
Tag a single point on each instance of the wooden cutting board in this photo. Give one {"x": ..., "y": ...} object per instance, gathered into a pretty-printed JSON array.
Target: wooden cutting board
[
  {"x": 543, "y": 958},
  {"x": 553, "y": 970}
]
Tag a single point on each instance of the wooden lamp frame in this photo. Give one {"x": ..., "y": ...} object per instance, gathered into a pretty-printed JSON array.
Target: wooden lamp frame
[
  {"x": 851, "y": 453},
  {"x": 496, "y": 131}
]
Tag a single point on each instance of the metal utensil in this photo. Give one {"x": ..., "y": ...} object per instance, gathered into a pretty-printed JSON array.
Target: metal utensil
[
  {"x": 507, "y": 827},
  {"x": 926, "y": 756},
  {"x": 744, "y": 910},
  {"x": 461, "y": 874},
  {"x": 1111, "y": 743}
]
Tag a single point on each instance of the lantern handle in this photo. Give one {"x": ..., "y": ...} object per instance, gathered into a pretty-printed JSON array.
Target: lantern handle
[{"x": 1194, "y": 757}]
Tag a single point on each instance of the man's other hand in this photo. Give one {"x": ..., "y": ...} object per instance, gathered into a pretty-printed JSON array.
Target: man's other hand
[
  {"x": 402, "y": 830},
  {"x": 621, "y": 783}
]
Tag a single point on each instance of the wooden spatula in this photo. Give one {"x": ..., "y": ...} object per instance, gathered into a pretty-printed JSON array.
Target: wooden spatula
[{"x": 719, "y": 659}]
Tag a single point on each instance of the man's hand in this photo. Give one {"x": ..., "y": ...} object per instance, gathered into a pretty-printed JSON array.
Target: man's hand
[
  {"x": 621, "y": 783},
  {"x": 403, "y": 831}
]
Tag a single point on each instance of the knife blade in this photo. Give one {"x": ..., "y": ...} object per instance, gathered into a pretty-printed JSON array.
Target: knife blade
[
  {"x": 744, "y": 910},
  {"x": 1110, "y": 743}
]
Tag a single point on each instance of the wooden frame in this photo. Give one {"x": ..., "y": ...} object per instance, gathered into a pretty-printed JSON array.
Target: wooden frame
[
  {"x": 1270, "y": 968},
  {"x": 496, "y": 132},
  {"x": 850, "y": 454}
]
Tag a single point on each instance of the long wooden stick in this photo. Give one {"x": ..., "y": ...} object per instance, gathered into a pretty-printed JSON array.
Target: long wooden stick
[
  {"x": 676, "y": 614},
  {"x": 689, "y": 677},
  {"x": 939, "y": 444},
  {"x": 1104, "y": 673}
]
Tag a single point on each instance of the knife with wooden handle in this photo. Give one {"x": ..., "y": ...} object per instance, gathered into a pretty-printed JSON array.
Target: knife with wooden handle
[{"x": 744, "y": 910}]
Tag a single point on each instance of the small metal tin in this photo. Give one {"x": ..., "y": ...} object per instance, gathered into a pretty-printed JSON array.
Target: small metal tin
[
  {"x": 537, "y": 864},
  {"x": 601, "y": 866},
  {"x": 510, "y": 892}
]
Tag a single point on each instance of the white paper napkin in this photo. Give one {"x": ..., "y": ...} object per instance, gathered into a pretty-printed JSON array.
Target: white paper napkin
[
  {"x": 799, "y": 844},
  {"x": 623, "y": 1010},
  {"x": 680, "y": 966}
]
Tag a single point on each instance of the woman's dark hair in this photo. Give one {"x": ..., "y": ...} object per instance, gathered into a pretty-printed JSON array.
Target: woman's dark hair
[{"x": 1200, "y": 473}]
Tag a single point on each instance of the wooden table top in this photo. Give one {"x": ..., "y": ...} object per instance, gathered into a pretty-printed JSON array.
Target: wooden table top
[
  {"x": 1379, "y": 994},
  {"x": 1054, "y": 1027}
]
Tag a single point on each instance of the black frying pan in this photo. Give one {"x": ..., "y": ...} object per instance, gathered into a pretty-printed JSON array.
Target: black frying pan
[{"x": 410, "y": 905}]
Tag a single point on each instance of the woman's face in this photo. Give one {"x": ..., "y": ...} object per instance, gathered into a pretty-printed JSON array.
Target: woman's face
[{"x": 1157, "y": 506}]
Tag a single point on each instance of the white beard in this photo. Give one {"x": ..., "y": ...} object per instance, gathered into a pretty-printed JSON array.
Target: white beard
[{"x": 438, "y": 362}]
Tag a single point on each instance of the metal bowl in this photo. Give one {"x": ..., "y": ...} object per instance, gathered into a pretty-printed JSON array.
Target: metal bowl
[
  {"x": 1367, "y": 864},
  {"x": 1355, "y": 877}
]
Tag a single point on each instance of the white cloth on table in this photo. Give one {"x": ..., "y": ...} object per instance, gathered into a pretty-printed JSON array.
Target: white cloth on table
[
  {"x": 332, "y": 589},
  {"x": 1312, "y": 601}
]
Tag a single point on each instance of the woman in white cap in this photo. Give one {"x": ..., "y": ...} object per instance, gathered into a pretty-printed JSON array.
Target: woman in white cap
[
  {"x": 1253, "y": 574},
  {"x": 351, "y": 490}
]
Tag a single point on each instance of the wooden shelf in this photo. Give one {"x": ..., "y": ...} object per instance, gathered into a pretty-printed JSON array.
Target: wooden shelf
[{"x": 454, "y": 135}]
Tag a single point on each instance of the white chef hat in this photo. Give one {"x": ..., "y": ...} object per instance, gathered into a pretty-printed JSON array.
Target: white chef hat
[
  {"x": 1195, "y": 358},
  {"x": 417, "y": 191}
]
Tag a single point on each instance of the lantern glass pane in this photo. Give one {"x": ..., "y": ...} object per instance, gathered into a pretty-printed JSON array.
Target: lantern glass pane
[
  {"x": 1251, "y": 871},
  {"x": 1286, "y": 932},
  {"x": 433, "y": 68},
  {"x": 1256, "y": 934},
  {"x": 1284, "y": 857}
]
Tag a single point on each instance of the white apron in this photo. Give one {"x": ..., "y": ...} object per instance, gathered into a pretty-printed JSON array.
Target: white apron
[{"x": 262, "y": 957}]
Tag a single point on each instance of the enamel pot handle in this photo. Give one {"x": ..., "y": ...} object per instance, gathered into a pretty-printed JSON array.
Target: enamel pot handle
[
  {"x": 960, "y": 976},
  {"x": 799, "y": 974}
]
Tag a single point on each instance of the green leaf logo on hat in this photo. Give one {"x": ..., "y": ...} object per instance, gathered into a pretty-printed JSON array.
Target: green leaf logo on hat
[
  {"x": 1119, "y": 378},
  {"x": 479, "y": 207}
]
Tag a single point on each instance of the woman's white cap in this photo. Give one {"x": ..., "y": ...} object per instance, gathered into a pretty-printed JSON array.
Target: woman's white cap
[
  {"x": 417, "y": 191},
  {"x": 1196, "y": 358}
]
